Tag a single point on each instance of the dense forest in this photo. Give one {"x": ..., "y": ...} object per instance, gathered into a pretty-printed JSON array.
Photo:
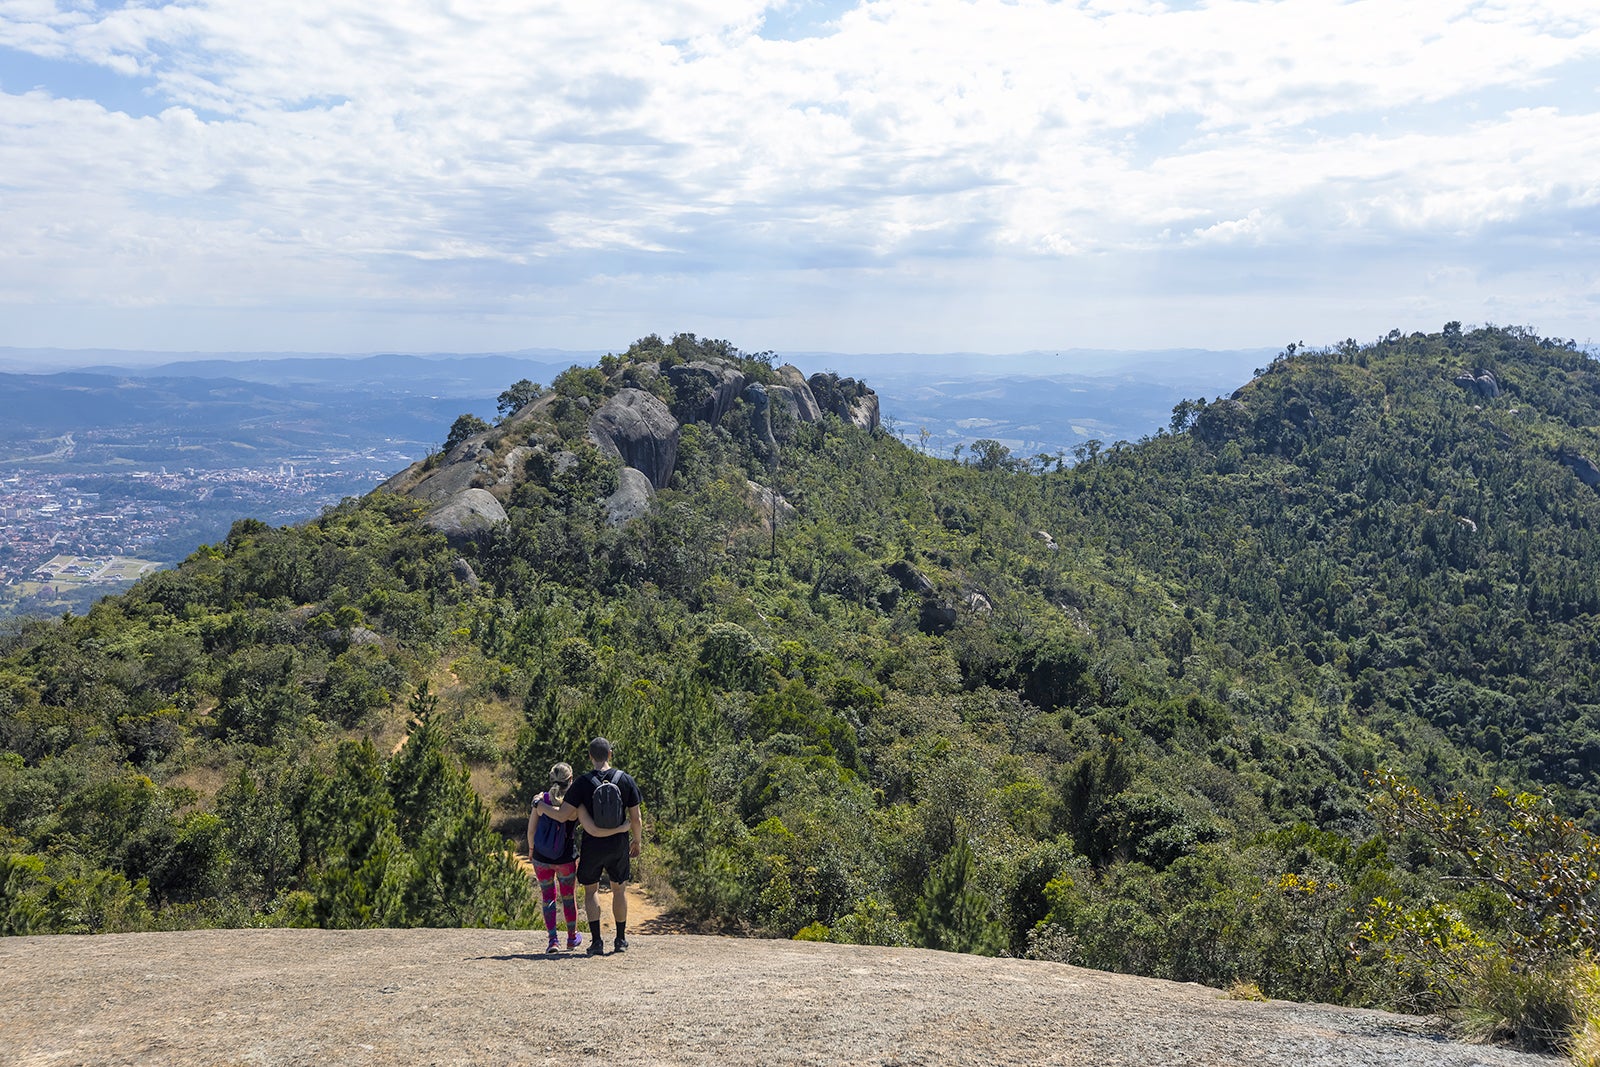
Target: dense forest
[{"x": 1157, "y": 707}]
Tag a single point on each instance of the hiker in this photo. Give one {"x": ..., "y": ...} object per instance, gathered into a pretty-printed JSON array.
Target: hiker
[
  {"x": 605, "y": 802},
  {"x": 553, "y": 851}
]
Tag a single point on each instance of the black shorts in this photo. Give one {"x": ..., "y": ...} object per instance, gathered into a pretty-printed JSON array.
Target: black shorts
[{"x": 608, "y": 854}]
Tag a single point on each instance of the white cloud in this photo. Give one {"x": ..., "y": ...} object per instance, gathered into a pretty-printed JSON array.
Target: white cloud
[{"x": 504, "y": 162}]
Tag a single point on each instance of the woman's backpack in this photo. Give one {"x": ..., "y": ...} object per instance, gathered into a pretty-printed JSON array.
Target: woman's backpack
[{"x": 549, "y": 838}]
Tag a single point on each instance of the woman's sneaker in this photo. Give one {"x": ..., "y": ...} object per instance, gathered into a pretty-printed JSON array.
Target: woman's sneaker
[
  {"x": 573, "y": 941},
  {"x": 554, "y": 946}
]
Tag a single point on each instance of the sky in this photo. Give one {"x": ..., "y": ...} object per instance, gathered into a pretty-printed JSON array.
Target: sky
[{"x": 883, "y": 175}]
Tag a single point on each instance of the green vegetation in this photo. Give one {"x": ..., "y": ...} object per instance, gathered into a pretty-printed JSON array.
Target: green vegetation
[{"x": 1116, "y": 713}]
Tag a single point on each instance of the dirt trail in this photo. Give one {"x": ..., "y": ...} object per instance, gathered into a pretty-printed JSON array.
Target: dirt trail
[
  {"x": 645, "y": 916},
  {"x": 375, "y": 998}
]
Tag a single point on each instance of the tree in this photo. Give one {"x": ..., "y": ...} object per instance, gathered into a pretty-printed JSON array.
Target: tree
[
  {"x": 953, "y": 915},
  {"x": 990, "y": 455},
  {"x": 1544, "y": 865},
  {"x": 464, "y": 427},
  {"x": 522, "y": 393}
]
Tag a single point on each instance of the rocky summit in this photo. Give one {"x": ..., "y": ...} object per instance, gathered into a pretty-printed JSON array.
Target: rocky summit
[
  {"x": 633, "y": 416},
  {"x": 403, "y": 997}
]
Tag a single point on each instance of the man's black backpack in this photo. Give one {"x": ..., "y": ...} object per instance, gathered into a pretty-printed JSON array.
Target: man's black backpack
[{"x": 605, "y": 804}]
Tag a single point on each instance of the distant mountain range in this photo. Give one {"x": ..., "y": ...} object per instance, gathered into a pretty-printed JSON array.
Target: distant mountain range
[{"x": 1032, "y": 402}]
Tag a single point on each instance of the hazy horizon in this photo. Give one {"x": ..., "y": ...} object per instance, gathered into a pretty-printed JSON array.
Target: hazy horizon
[{"x": 1179, "y": 364}]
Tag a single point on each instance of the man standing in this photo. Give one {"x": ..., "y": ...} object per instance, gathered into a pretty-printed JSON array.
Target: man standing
[{"x": 606, "y": 804}]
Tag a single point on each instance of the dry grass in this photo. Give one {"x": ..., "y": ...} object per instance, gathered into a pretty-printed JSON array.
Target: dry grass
[
  {"x": 1583, "y": 1042},
  {"x": 205, "y": 780},
  {"x": 1242, "y": 990}
]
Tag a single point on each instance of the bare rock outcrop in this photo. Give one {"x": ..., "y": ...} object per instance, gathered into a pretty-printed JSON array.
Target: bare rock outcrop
[
  {"x": 388, "y": 997},
  {"x": 795, "y": 391},
  {"x": 936, "y": 616},
  {"x": 632, "y": 497},
  {"x": 512, "y": 466},
  {"x": 768, "y": 504},
  {"x": 464, "y": 467},
  {"x": 473, "y": 463},
  {"x": 637, "y": 427},
  {"x": 909, "y": 578},
  {"x": 1482, "y": 384},
  {"x": 467, "y": 516},
  {"x": 1582, "y": 466},
  {"x": 704, "y": 391},
  {"x": 847, "y": 398},
  {"x": 863, "y": 411},
  {"x": 760, "y": 401}
]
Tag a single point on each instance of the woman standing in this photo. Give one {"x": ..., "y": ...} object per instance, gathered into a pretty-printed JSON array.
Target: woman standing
[{"x": 554, "y": 851}]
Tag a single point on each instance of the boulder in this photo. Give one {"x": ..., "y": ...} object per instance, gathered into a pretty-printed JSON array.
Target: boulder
[
  {"x": 805, "y": 404},
  {"x": 909, "y": 578},
  {"x": 360, "y": 635},
  {"x": 1483, "y": 384},
  {"x": 463, "y": 572},
  {"x": 631, "y": 499},
  {"x": 637, "y": 427},
  {"x": 863, "y": 411},
  {"x": 1582, "y": 466},
  {"x": 783, "y": 399},
  {"x": 703, "y": 391},
  {"x": 847, "y": 398},
  {"x": 764, "y": 501},
  {"x": 467, "y": 516},
  {"x": 450, "y": 479},
  {"x": 936, "y": 616},
  {"x": 755, "y": 394},
  {"x": 511, "y": 467},
  {"x": 979, "y": 604}
]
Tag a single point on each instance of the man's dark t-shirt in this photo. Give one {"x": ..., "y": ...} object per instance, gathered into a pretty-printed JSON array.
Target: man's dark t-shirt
[
  {"x": 582, "y": 792},
  {"x": 608, "y": 855}
]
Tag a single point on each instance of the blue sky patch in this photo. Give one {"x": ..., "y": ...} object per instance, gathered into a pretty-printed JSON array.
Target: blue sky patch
[{"x": 22, "y": 72}]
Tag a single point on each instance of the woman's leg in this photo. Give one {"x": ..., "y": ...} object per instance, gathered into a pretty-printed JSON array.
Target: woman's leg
[
  {"x": 567, "y": 876},
  {"x": 547, "y": 895}
]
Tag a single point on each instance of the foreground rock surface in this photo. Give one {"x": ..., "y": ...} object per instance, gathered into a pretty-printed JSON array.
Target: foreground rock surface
[{"x": 477, "y": 996}]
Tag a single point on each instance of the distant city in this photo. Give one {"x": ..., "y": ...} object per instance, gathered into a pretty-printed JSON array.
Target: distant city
[{"x": 68, "y": 538}]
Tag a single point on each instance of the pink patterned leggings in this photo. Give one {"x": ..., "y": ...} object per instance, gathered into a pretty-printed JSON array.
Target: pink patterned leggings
[{"x": 566, "y": 876}]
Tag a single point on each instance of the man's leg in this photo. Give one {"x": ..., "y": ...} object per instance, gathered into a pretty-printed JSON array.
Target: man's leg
[
  {"x": 591, "y": 909},
  {"x": 619, "y": 903},
  {"x": 619, "y": 912}
]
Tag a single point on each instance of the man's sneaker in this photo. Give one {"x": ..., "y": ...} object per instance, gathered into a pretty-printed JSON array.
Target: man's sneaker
[
  {"x": 574, "y": 941},
  {"x": 619, "y": 945},
  {"x": 598, "y": 948},
  {"x": 554, "y": 946}
]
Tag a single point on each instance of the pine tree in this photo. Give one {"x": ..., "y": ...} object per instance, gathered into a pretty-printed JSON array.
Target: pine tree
[{"x": 953, "y": 915}]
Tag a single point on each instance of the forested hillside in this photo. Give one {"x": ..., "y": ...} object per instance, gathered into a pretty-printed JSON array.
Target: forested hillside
[{"x": 1114, "y": 709}]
